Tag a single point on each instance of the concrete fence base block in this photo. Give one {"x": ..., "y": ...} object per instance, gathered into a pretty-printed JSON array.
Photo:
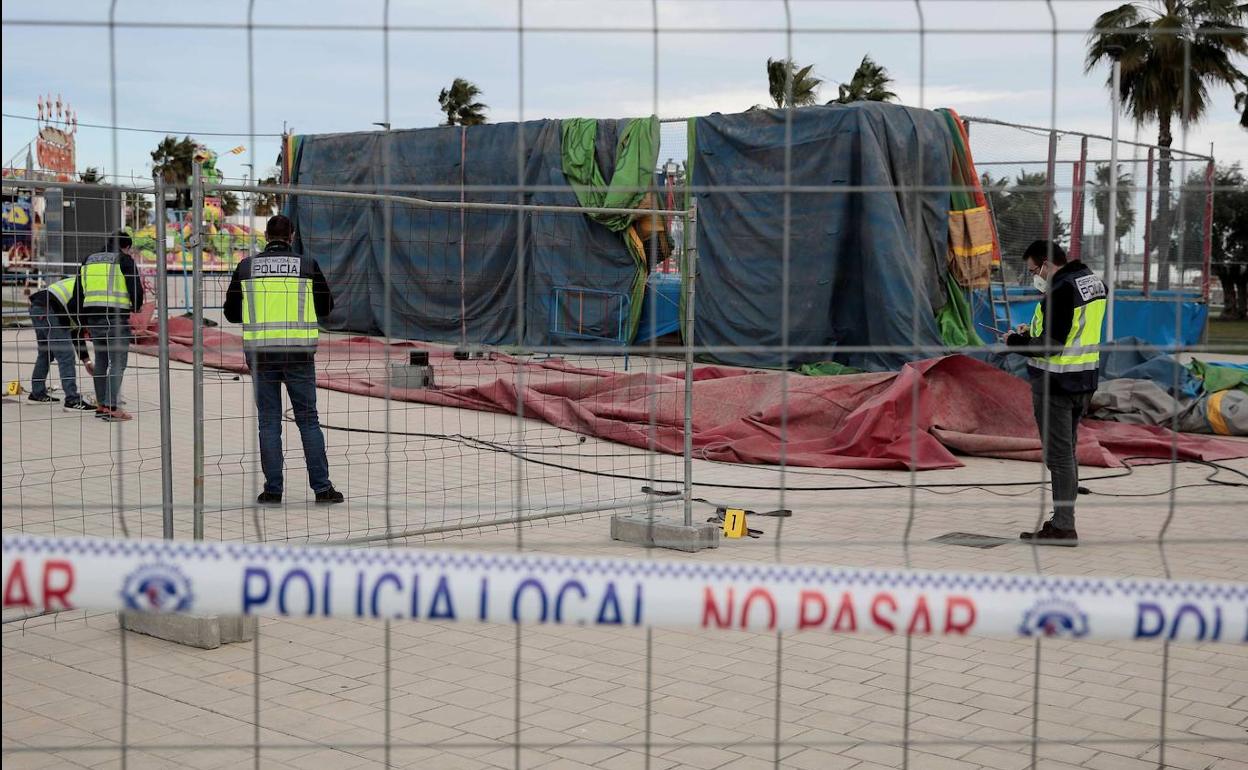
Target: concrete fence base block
[
  {"x": 207, "y": 632},
  {"x": 664, "y": 533}
]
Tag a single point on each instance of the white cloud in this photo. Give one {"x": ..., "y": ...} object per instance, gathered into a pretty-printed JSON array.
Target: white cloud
[{"x": 963, "y": 97}]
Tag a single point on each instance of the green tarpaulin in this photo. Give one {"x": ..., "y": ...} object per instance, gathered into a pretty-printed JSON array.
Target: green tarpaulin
[
  {"x": 957, "y": 325},
  {"x": 954, "y": 319},
  {"x": 636, "y": 157},
  {"x": 1218, "y": 378},
  {"x": 826, "y": 368}
]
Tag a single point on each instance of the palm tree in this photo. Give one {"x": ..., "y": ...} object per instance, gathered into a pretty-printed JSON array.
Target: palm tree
[
  {"x": 460, "y": 104},
  {"x": 1124, "y": 210},
  {"x": 803, "y": 90},
  {"x": 1241, "y": 103},
  {"x": 869, "y": 84},
  {"x": 173, "y": 159},
  {"x": 1169, "y": 60},
  {"x": 267, "y": 204},
  {"x": 229, "y": 204}
]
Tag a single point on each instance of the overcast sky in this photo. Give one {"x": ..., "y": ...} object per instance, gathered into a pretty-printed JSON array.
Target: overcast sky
[{"x": 326, "y": 80}]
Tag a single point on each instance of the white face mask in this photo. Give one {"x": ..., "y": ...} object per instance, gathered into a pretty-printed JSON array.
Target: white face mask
[{"x": 1039, "y": 283}]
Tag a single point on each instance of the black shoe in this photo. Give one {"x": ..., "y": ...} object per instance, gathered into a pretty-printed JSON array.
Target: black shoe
[
  {"x": 269, "y": 498},
  {"x": 78, "y": 406},
  {"x": 44, "y": 399},
  {"x": 1051, "y": 535},
  {"x": 329, "y": 496}
]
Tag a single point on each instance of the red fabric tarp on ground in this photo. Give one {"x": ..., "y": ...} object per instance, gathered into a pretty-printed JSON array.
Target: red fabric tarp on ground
[{"x": 860, "y": 421}]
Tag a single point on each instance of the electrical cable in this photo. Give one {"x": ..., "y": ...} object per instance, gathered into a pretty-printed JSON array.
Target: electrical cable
[{"x": 953, "y": 487}]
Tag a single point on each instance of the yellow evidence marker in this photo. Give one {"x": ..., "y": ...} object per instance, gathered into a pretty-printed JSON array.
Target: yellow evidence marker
[{"x": 734, "y": 522}]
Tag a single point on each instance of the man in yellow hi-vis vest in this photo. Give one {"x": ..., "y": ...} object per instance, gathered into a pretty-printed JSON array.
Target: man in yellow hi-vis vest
[
  {"x": 57, "y": 336},
  {"x": 1062, "y": 345},
  {"x": 278, "y": 296},
  {"x": 108, "y": 290}
]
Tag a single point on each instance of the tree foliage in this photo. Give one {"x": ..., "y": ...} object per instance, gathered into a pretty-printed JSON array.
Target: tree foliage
[
  {"x": 1228, "y": 236},
  {"x": 1171, "y": 53},
  {"x": 1018, "y": 210},
  {"x": 229, "y": 203},
  {"x": 1125, "y": 207},
  {"x": 803, "y": 91},
  {"x": 460, "y": 104},
  {"x": 267, "y": 204},
  {"x": 173, "y": 159},
  {"x": 869, "y": 83}
]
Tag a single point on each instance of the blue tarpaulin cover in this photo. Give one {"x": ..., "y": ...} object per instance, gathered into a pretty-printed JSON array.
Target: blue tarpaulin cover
[
  {"x": 439, "y": 293},
  {"x": 865, "y": 267}
]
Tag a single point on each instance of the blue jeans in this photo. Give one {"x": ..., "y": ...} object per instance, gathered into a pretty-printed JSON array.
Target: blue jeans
[
  {"x": 110, "y": 336},
  {"x": 300, "y": 378},
  {"x": 52, "y": 338}
]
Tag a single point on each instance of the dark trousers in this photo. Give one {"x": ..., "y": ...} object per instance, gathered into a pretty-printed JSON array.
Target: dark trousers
[
  {"x": 52, "y": 338},
  {"x": 110, "y": 338},
  {"x": 1057, "y": 418},
  {"x": 300, "y": 378}
]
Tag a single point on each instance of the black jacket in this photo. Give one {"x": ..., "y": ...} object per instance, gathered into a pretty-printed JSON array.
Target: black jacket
[
  {"x": 134, "y": 287},
  {"x": 322, "y": 299},
  {"x": 1059, "y": 315}
]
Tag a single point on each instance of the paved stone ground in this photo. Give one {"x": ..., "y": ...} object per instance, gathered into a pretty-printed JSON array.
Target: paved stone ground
[{"x": 586, "y": 697}]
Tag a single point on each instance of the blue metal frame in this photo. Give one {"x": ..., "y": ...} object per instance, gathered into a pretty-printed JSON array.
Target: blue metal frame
[{"x": 622, "y": 316}]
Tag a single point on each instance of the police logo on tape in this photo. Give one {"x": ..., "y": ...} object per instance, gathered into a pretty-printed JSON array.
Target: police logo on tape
[
  {"x": 1054, "y": 617},
  {"x": 157, "y": 588}
]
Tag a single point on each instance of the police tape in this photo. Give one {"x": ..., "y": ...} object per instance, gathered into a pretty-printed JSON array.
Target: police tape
[{"x": 43, "y": 574}]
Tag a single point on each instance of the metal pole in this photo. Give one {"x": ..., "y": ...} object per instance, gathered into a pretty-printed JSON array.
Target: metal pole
[
  {"x": 197, "y": 325},
  {"x": 1049, "y": 174},
  {"x": 691, "y": 266},
  {"x": 1111, "y": 225},
  {"x": 1077, "y": 208},
  {"x": 1148, "y": 220},
  {"x": 1206, "y": 237},
  {"x": 423, "y": 203},
  {"x": 162, "y": 336}
]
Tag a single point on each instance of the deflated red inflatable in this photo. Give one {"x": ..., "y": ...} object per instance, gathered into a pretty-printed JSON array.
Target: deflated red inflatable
[{"x": 918, "y": 417}]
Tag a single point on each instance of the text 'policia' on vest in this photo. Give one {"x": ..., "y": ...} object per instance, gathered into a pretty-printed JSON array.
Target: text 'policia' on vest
[
  {"x": 279, "y": 313},
  {"x": 103, "y": 284},
  {"x": 1075, "y": 366}
]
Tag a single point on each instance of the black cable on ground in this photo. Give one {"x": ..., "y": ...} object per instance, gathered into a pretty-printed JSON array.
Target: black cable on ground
[{"x": 953, "y": 487}]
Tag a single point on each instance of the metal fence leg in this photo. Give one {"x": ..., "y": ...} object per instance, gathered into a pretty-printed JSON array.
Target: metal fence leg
[
  {"x": 642, "y": 527},
  {"x": 691, "y": 263},
  {"x": 1148, "y": 222},
  {"x": 162, "y": 330},
  {"x": 197, "y": 321},
  {"x": 1206, "y": 234}
]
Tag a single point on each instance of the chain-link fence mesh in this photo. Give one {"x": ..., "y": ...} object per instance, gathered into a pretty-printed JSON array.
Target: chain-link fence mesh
[{"x": 546, "y": 413}]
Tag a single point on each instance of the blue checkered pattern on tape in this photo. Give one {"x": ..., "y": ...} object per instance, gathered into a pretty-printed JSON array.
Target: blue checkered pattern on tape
[{"x": 761, "y": 574}]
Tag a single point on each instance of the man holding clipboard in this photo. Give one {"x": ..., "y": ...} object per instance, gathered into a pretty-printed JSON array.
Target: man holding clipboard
[{"x": 1062, "y": 344}]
